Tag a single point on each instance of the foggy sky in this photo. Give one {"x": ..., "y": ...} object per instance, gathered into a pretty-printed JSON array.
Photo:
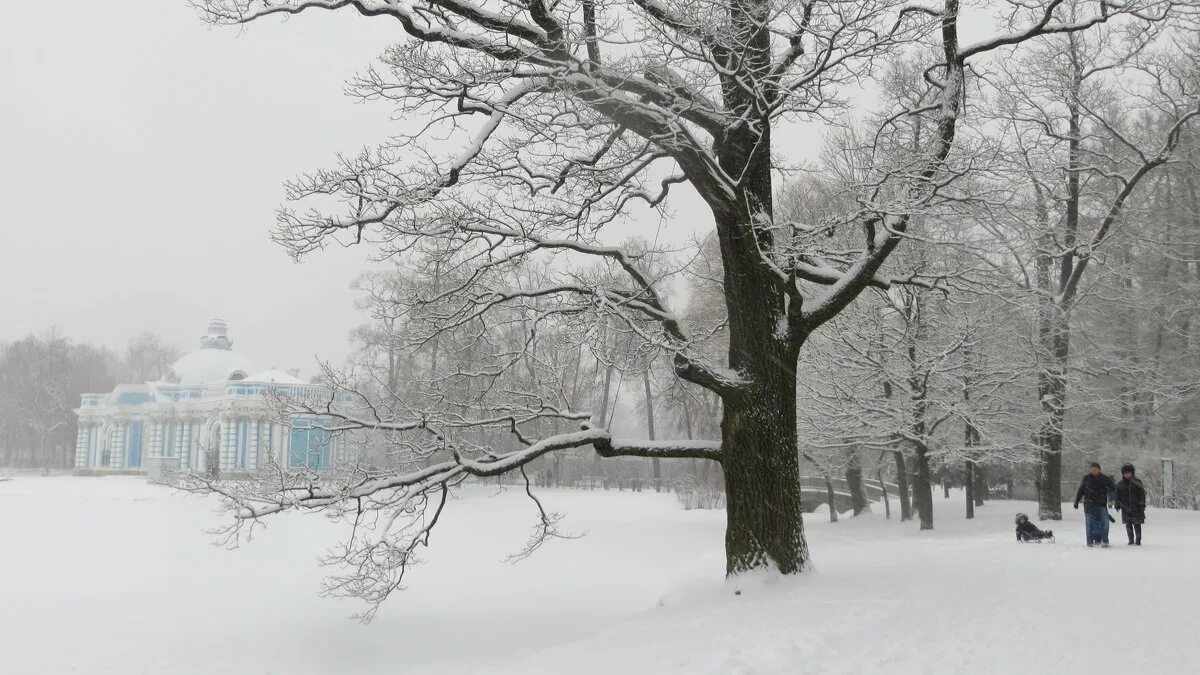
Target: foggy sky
[{"x": 142, "y": 157}]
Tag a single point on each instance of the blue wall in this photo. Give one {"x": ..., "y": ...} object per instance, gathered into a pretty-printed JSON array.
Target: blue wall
[
  {"x": 134, "y": 398},
  {"x": 133, "y": 444},
  {"x": 309, "y": 445}
]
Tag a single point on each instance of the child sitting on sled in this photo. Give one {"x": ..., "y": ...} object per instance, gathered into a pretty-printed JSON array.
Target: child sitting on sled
[{"x": 1027, "y": 531}]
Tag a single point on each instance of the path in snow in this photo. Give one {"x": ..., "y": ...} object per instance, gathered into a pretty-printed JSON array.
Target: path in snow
[{"x": 110, "y": 575}]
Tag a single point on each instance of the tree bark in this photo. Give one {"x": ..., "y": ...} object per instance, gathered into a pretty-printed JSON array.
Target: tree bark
[
  {"x": 762, "y": 485},
  {"x": 833, "y": 513},
  {"x": 854, "y": 479},
  {"x": 922, "y": 480},
  {"x": 761, "y": 460},
  {"x": 887, "y": 505},
  {"x": 902, "y": 486},
  {"x": 1052, "y": 389},
  {"x": 969, "y": 483},
  {"x": 923, "y": 490}
]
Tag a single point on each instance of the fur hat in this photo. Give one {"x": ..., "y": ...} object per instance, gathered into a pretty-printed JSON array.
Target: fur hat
[{"x": 1017, "y": 520}]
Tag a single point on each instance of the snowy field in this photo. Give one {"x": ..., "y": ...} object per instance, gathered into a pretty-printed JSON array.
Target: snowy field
[{"x": 111, "y": 575}]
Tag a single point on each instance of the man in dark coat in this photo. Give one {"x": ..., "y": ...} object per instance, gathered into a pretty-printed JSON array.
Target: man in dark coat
[
  {"x": 1097, "y": 491},
  {"x": 1131, "y": 503}
]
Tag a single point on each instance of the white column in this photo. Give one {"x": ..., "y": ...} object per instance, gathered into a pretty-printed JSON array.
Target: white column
[
  {"x": 102, "y": 443},
  {"x": 81, "y": 449},
  {"x": 193, "y": 436},
  {"x": 116, "y": 451},
  {"x": 228, "y": 438},
  {"x": 155, "y": 437},
  {"x": 284, "y": 441},
  {"x": 199, "y": 444},
  {"x": 252, "y": 444},
  {"x": 110, "y": 444},
  {"x": 184, "y": 455}
]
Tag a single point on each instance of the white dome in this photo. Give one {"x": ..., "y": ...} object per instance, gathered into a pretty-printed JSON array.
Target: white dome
[
  {"x": 210, "y": 365},
  {"x": 215, "y": 361},
  {"x": 275, "y": 376}
]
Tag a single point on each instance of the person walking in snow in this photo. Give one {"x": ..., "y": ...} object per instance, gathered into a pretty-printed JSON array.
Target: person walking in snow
[
  {"x": 1131, "y": 503},
  {"x": 1027, "y": 531},
  {"x": 1097, "y": 491}
]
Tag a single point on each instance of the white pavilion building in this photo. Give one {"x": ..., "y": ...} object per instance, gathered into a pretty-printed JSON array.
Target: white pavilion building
[{"x": 212, "y": 406}]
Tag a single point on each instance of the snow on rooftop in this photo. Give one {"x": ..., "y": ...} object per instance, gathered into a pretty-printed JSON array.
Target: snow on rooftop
[
  {"x": 275, "y": 376},
  {"x": 210, "y": 365}
]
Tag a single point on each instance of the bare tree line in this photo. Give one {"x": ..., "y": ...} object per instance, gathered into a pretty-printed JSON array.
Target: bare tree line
[{"x": 41, "y": 380}]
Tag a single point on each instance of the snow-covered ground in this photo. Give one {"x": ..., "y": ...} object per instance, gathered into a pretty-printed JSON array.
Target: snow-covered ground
[{"x": 111, "y": 575}]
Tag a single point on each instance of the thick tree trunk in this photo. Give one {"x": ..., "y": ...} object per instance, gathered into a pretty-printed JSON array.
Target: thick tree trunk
[
  {"x": 1052, "y": 390},
  {"x": 918, "y": 377},
  {"x": 761, "y": 460},
  {"x": 832, "y": 498},
  {"x": 854, "y": 479},
  {"x": 765, "y": 526},
  {"x": 969, "y": 483},
  {"x": 902, "y": 486},
  {"x": 981, "y": 485},
  {"x": 923, "y": 490},
  {"x": 887, "y": 505}
]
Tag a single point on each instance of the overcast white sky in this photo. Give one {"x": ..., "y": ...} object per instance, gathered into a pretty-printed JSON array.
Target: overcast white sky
[{"x": 141, "y": 157}]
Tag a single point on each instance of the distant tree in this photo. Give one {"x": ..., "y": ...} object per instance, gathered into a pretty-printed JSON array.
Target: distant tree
[
  {"x": 41, "y": 381},
  {"x": 148, "y": 358}
]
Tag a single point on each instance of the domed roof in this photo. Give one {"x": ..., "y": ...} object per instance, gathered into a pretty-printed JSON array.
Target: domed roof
[
  {"x": 275, "y": 376},
  {"x": 215, "y": 361}
]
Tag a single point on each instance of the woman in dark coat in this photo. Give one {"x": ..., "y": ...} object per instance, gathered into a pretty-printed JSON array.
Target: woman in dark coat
[{"x": 1131, "y": 502}]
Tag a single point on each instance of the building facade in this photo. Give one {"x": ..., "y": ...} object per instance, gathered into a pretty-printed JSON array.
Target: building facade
[{"x": 212, "y": 408}]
